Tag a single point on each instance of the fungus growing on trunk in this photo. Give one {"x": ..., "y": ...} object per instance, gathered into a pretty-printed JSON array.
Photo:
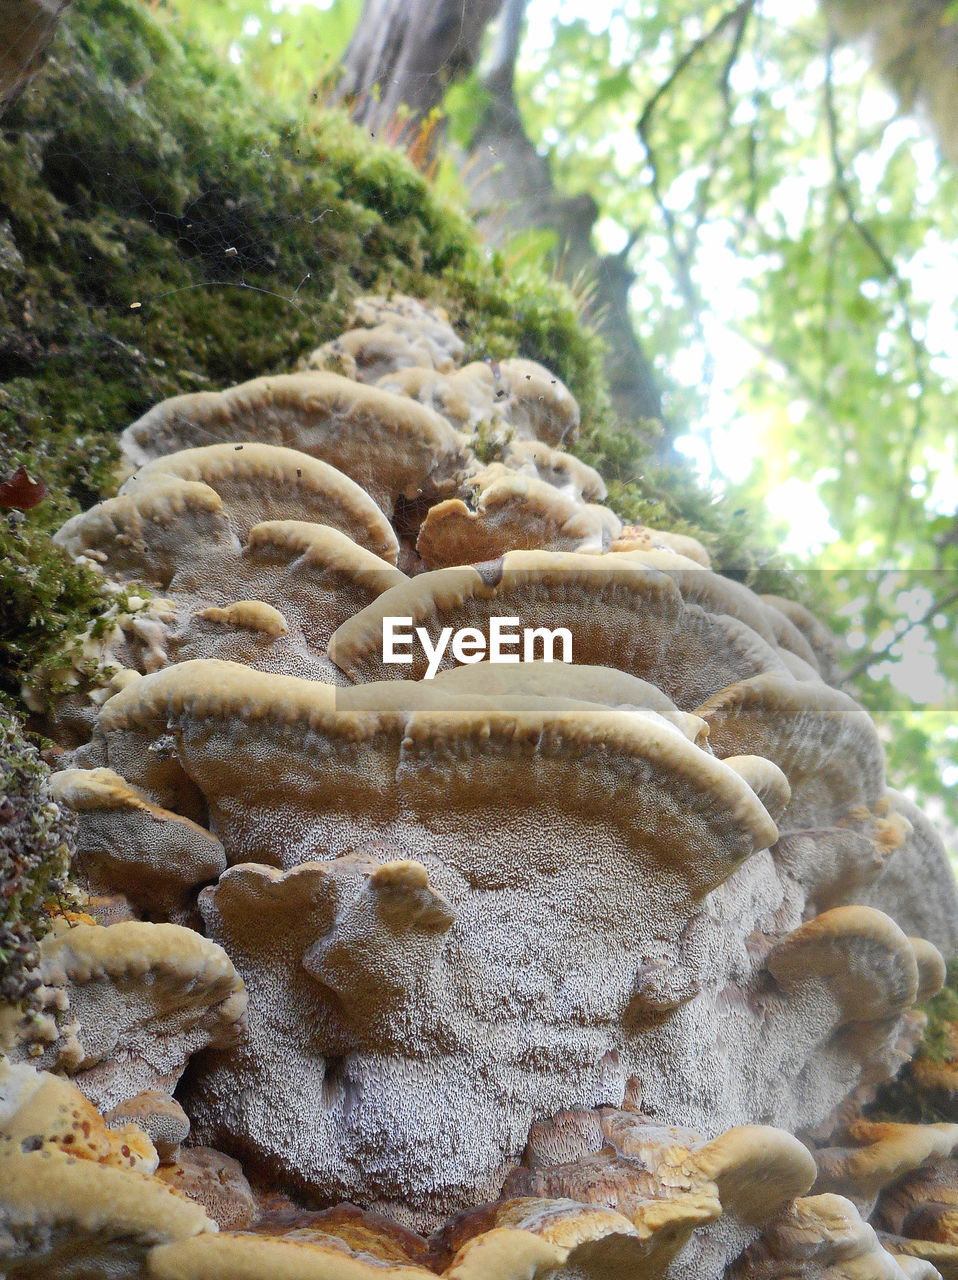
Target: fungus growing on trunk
[{"x": 575, "y": 964}]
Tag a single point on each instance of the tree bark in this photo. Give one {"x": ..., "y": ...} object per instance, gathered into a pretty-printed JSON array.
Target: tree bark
[
  {"x": 405, "y": 53},
  {"x": 511, "y": 190},
  {"x": 26, "y": 28},
  {"x": 402, "y": 57}
]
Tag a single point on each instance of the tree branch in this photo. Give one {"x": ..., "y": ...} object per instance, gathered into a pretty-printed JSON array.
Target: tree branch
[
  {"x": 738, "y": 14},
  {"x": 684, "y": 253},
  {"x": 873, "y": 655}
]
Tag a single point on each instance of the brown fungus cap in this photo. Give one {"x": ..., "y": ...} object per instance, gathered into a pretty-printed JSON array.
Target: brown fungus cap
[
  {"x": 758, "y": 1170},
  {"x": 153, "y": 856},
  {"x": 464, "y": 398},
  {"x": 249, "y": 1256},
  {"x": 138, "y": 1000},
  {"x": 538, "y": 405},
  {"x": 942, "y": 1259},
  {"x": 620, "y": 614},
  {"x": 324, "y": 548},
  {"x": 667, "y": 1181},
  {"x": 931, "y": 968},
  {"x": 935, "y": 1182},
  {"x": 519, "y": 399},
  {"x": 248, "y": 615},
  {"x": 713, "y": 592},
  {"x": 604, "y": 685},
  {"x": 820, "y": 1237},
  {"x": 146, "y": 535},
  {"x": 215, "y": 1181},
  {"x": 370, "y": 354},
  {"x": 564, "y": 471},
  {"x": 516, "y": 1238},
  {"x": 512, "y": 512},
  {"x": 372, "y": 725},
  {"x": 819, "y": 638},
  {"x": 272, "y": 604},
  {"x": 388, "y": 444},
  {"x": 76, "y": 1197},
  {"x": 823, "y": 741},
  {"x": 43, "y": 1112},
  {"x": 62, "y": 1216},
  {"x": 860, "y": 955},
  {"x": 766, "y": 780},
  {"x": 913, "y": 863},
  {"x": 267, "y": 482},
  {"x": 877, "y": 1154},
  {"x": 429, "y": 319},
  {"x": 160, "y": 1117},
  {"x": 396, "y": 333},
  {"x": 640, "y": 537}
]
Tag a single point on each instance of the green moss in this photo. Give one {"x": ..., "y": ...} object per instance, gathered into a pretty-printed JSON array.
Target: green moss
[
  {"x": 35, "y": 843},
  {"x": 937, "y": 1043},
  {"x": 904, "y": 1100},
  {"x": 46, "y": 600}
]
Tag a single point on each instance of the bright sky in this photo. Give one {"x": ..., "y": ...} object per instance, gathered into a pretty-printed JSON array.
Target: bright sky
[{"x": 735, "y": 439}]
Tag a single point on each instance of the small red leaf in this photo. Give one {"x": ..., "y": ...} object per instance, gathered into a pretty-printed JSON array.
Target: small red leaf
[{"x": 22, "y": 492}]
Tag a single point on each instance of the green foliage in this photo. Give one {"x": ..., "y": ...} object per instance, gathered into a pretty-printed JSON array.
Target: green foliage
[
  {"x": 291, "y": 51},
  {"x": 942, "y": 1011}
]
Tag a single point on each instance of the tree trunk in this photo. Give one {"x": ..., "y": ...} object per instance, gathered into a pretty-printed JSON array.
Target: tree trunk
[
  {"x": 511, "y": 191},
  {"x": 402, "y": 57},
  {"x": 404, "y": 54},
  {"x": 26, "y": 27}
]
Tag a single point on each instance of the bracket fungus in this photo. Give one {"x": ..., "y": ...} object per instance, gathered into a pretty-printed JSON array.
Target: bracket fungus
[
  {"x": 622, "y": 613},
  {"x": 76, "y": 1198},
  {"x": 389, "y": 444},
  {"x": 514, "y": 400},
  {"x": 124, "y": 843},
  {"x": 512, "y": 511},
  {"x": 391, "y": 333},
  {"x": 121, "y": 1008},
  {"x": 587, "y": 968}
]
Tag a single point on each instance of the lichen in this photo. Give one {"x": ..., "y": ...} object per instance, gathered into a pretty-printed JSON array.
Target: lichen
[{"x": 35, "y": 841}]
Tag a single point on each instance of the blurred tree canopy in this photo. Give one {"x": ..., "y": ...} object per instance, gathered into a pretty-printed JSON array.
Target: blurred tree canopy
[{"x": 739, "y": 187}]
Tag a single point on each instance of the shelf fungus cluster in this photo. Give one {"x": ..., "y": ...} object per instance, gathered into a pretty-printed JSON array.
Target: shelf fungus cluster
[{"x": 531, "y": 969}]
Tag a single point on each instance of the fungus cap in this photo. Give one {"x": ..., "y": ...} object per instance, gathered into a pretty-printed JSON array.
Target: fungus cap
[{"x": 389, "y": 445}]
